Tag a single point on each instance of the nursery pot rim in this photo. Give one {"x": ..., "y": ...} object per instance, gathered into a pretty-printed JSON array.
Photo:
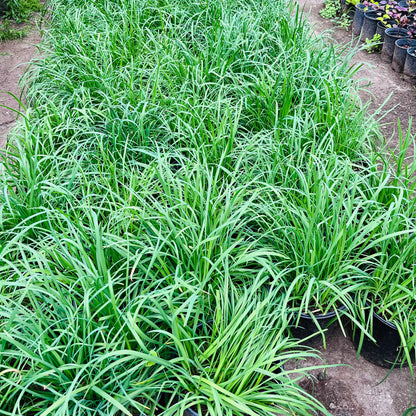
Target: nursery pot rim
[
  {"x": 386, "y": 354},
  {"x": 379, "y": 317},
  {"x": 381, "y": 24},
  {"x": 190, "y": 412},
  {"x": 385, "y": 321},
  {"x": 362, "y": 6},
  {"x": 331, "y": 314},
  {"x": 412, "y": 51},
  {"x": 407, "y": 40},
  {"x": 372, "y": 15},
  {"x": 400, "y": 32}
]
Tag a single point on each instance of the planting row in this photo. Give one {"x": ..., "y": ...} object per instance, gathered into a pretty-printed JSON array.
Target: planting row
[{"x": 188, "y": 179}]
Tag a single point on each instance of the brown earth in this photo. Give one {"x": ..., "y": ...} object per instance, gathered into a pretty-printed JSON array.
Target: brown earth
[
  {"x": 357, "y": 387},
  {"x": 14, "y": 58}
]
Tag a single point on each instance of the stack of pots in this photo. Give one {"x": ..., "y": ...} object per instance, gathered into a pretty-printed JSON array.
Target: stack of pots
[
  {"x": 369, "y": 28},
  {"x": 390, "y": 36},
  {"x": 397, "y": 49},
  {"x": 401, "y": 52}
]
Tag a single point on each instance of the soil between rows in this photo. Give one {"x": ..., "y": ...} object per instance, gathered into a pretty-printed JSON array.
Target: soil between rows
[
  {"x": 356, "y": 388},
  {"x": 14, "y": 57}
]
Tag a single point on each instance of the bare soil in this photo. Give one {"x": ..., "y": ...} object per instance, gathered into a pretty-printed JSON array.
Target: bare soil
[
  {"x": 14, "y": 58},
  {"x": 357, "y": 387}
]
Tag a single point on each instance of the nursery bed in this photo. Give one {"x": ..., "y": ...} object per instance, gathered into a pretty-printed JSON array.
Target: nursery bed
[{"x": 131, "y": 221}]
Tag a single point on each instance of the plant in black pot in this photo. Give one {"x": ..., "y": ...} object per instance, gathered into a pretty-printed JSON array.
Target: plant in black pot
[
  {"x": 396, "y": 31},
  {"x": 377, "y": 16},
  {"x": 409, "y": 70},
  {"x": 384, "y": 22},
  {"x": 371, "y": 18},
  {"x": 230, "y": 358},
  {"x": 388, "y": 12},
  {"x": 358, "y": 20},
  {"x": 409, "y": 66},
  {"x": 389, "y": 316},
  {"x": 386, "y": 300},
  {"x": 400, "y": 52},
  {"x": 326, "y": 228}
]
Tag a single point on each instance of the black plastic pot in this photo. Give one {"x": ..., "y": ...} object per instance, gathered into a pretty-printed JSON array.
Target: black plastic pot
[
  {"x": 387, "y": 351},
  {"x": 409, "y": 70},
  {"x": 369, "y": 25},
  {"x": 390, "y": 37},
  {"x": 357, "y": 23},
  {"x": 190, "y": 412},
  {"x": 381, "y": 28},
  {"x": 307, "y": 326},
  {"x": 400, "y": 53}
]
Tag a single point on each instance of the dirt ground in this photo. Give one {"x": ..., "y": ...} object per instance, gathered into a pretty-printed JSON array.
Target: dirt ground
[
  {"x": 14, "y": 56},
  {"x": 357, "y": 388}
]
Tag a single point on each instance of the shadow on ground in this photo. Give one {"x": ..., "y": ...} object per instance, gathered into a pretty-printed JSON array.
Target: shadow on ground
[{"x": 357, "y": 387}]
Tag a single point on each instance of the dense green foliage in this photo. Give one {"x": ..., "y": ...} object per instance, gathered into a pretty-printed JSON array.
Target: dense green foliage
[
  {"x": 16, "y": 11},
  {"x": 20, "y": 10},
  {"x": 184, "y": 163}
]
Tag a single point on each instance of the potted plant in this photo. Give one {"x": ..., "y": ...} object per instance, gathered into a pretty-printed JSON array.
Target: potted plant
[
  {"x": 383, "y": 24},
  {"x": 231, "y": 362},
  {"x": 386, "y": 300},
  {"x": 400, "y": 52},
  {"x": 321, "y": 237},
  {"x": 371, "y": 18},
  {"x": 395, "y": 32},
  {"x": 357, "y": 23},
  {"x": 383, "y": 14},
  {"x": 389, "y": 316}
]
